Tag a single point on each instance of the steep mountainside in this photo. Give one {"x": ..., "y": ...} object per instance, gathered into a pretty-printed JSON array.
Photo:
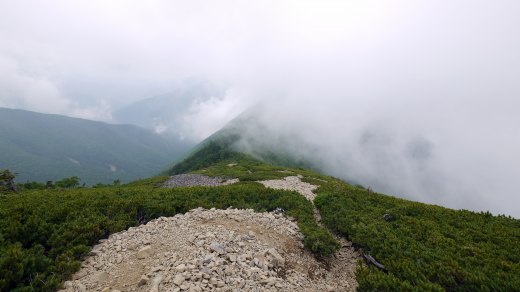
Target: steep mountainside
[{"x": 41, "y": 147}]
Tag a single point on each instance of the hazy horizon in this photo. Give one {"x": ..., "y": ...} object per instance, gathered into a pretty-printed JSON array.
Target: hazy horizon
[{"x": 420, "y": 99}]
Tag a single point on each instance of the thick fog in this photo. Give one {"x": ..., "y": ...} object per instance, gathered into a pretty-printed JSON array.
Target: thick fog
[{"x": 420, "y": 99}]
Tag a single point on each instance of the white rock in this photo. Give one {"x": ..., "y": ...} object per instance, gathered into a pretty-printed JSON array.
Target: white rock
[
  {"x": 82, "y": 273},
  {"x": 276, "y": 259},
  {"x": 156, "y": 282},
  {"x": 179, "y": 279},
  {"x": 180, "y": 268},
  {"x": 145, "y": 252},
  {"x": 217, "y": 247}
]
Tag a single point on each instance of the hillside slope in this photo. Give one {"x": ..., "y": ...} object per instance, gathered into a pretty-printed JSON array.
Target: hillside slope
[
  {"x": 41, "y": 147},
  {"x": 422, "y": 247},
  {"x": 45, "y": 234}
]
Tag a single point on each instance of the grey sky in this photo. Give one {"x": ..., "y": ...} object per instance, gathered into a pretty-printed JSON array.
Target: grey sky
[{"x": 398, "y": 74}]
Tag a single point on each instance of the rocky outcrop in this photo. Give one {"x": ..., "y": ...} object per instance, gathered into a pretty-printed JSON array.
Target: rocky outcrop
[
  {"x": 292, "y": 183},
  {"x": 190, "y": 180},
  {"x": 210, "y": 250}
]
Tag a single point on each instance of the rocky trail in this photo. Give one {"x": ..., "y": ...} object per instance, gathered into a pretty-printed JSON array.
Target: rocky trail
[{"x": 215, "y": 250}]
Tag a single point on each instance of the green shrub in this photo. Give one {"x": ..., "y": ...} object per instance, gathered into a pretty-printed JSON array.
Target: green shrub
[
  {"x": 424, "y": 247},
  {"x": 44, "y": 234}
]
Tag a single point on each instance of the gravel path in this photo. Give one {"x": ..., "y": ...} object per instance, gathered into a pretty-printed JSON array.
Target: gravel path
[
  {"x": 216, "y": 250},
  {"x": 210, "y": 250},
  {"x": 190, "y": 180},
  {"x": 292, "y": 183},
  {"x": 339, "y": 264}
]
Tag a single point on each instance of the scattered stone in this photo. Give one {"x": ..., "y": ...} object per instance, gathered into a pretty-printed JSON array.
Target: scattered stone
[
  {"x": 82, "y": 273},
  {"x": 276, "y": 259},
  {"x": 292, "y": 183},
  {"x": 156, "y": 282},
  {"x": 179, "y": 279},
  {"x": 217, "y": 247},
  {"x": 144, "y": 252},
  {"x": 267, "y": 256},
  {"x": 271, "y": 281},
  {"x": 189, "y": 180},
  {"x": 388, "y": 217},
  {"x": 67, "y": 285},
  {"x": 143, "y": 281},
  {"x": 180, "y": 268}
]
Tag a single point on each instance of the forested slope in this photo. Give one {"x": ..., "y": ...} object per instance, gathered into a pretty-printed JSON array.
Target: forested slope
[{"x": 41, "y": 147}]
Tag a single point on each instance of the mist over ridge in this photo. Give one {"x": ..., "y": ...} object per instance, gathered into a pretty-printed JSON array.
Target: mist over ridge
[
  {"x": 417, "y": 99},
  {"x": 427, "y": 164}
]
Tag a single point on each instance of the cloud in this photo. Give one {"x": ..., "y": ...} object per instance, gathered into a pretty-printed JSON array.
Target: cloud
[
  {"x": 102, "y": 112},
  {"x": 20, "y": 89},
  {"x": 418, "y": 98},
  {"x": 32, "y": 91},
  {"x": 205, "y": 117}
]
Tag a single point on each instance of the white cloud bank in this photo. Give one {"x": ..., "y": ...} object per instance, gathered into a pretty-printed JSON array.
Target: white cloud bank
[{"x": 370, "y": 83}]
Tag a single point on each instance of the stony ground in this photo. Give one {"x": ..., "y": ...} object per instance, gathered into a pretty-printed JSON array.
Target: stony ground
[
  {"x": 292, "y": 183},
  {"x": 188, "y": 180},
  {"x": 215, "y": 250},
  {"x": 341, "y": 264}
]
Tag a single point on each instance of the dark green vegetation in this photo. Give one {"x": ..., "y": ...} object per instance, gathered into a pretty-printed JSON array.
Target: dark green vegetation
[
  {"x": 212, "y": 152},
  {"x": 424, "y": 247},
  {"x": 45, "y": 233},
  {"x": 40, "y": 147},
  {"x": 7, "y": 183},
  {"x": 212, "y": 155}
]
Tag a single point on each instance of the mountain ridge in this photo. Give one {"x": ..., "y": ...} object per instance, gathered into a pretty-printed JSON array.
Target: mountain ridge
[
  {"x": 416, "y": 246},
  {"x": 42, "y": 147}
]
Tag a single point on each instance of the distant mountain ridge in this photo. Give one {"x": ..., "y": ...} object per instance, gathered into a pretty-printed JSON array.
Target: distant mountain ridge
[
  {"x": 239, "y": 137},
  {"x": 41, "y": 147},
  {"x": 163, "y": 113}
]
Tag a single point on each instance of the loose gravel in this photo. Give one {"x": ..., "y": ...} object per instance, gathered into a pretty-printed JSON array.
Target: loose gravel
[
  {"x": 210, "y": 250},
  {"x": 216, "y": 250},
  {"x": 190, "y": 180},
  {"x": 292, "y": 183}
]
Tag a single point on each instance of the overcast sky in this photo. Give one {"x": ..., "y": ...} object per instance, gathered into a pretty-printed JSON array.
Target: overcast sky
[{"x": 368, "y": 82}]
